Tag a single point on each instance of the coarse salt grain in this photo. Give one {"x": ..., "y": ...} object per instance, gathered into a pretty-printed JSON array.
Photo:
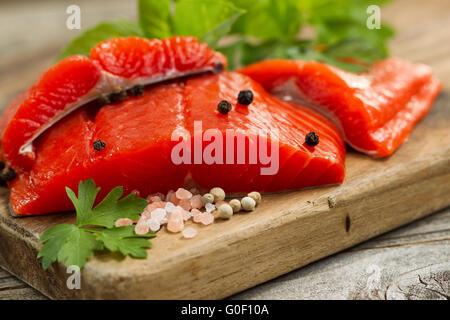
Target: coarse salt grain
[
  {"x": 195, "y": 214},
  {"x": 210, "y": 207},
  {"x": 153, "y": 224},
  {"x": 141, "y": 229},
  {"x": 183, "y": 194},
  {"x": 169, "y": 207},
  {"x": 123, "y": 222},
  {"x": 175, "y": 223},
  {"x": 158, "y": 214},
  {"x": 186, "y": 215},
  {"x": 197, "y": 202},
  {"x": 189, "y": 233},
  {"x": 206, "y": 218},
  {"x": 185, "y": 204},
  {"x": 154, "y": 199}
]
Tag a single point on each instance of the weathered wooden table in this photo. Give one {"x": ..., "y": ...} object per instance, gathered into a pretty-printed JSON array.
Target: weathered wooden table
[{"x": 411, "y": 262}]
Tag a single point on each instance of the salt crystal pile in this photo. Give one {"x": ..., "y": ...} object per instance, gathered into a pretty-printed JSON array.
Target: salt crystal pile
[
  {"x": 175, "y": 223},
  {"x": 123, "y": 222},
  {"x": 189, "y": 233},
  {"x": 169, "y": 207}
]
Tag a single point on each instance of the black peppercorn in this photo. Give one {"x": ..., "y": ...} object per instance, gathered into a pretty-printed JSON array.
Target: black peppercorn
[
  {"x": 99, "y": 145},
  {"x": 312, "y": 139},
  {"x": 103, "y": 99},
  {"x": 245, "y": 97},
  {"x": 118, "y": 95},
  {"x": 2, "y": 165},
  {"x": 137, "y": 90},
  {"x": 7, "y": 174},
  {"x": 218, "y": 67},
  {"x": 224, "y": 107}
]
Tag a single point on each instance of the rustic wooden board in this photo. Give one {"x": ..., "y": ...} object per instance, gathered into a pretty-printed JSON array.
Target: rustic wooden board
[{"x": 287, "y": 231}]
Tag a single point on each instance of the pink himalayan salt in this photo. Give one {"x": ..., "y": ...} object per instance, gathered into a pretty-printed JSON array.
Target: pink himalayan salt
[
  {"x": 195, "y": 214},
  {"x": 173, "y": 198},
  {"x": 153, "y": 225},
  {"x": 152, "y": 199},
  {"x": 158, "y": 214},
  {"x": 197, "y": 202},
  {"x": 185, "y": 204},
  {"x": 183, "y": 194},
  {"x": 141, "y": 229},
  {"x": 186, "y": 215},
  {"x": 169, "y": 207},
  {"x": 189, "y": 233},
  {"x": 204, "y": 218},
  {"x": 123, "y": 222},
  {"x": 160, "y": 195},
  {"x": 176, "y": 223}
]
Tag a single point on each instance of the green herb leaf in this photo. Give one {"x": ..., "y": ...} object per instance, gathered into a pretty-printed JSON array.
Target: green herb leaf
[
  {"x": 68, "y": 244},
  {"x": 125, "y": 241},
  {"x": 74, "y": 244},
  {"x": 208, "y": 20},
  {"x": 107, "y": 211},
  {"x": 106, "y": 30},
  {"x": 155, "y": 18}
]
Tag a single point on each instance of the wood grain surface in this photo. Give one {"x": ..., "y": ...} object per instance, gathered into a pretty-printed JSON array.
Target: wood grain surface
[{"x": 289, "y": 230}]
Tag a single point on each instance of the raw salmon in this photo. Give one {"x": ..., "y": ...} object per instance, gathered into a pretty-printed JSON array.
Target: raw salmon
[
  {"x": 376, "y": 110},
  {"x": 140, "y": 144},
  {"x": 116, "y": 64}
]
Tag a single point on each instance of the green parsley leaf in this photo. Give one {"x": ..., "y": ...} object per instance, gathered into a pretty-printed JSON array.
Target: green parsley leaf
[
  {"x": 104, "y": 31},
  {"x": 107, "y": 211},
  {"x": 208, "y": 20},
  {"x": 68, "y": 244},
  {"x": 124, "y": 240},
  {"x": 74, "y": 244},
  {"x": 155, "y": 18}
]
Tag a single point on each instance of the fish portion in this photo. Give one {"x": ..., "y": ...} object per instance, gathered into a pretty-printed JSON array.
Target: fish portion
[
  {"x": 141, "y": 142},
  {"x": 376, "y": 111},
  {"x": 116, "y": 64}
]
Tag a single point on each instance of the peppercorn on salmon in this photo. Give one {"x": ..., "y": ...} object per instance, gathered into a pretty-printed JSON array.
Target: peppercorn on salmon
[
  {"x": 375, "y": 111},
  {"x": 162, "y": 139},
  {"x": 114, "y": 66}
]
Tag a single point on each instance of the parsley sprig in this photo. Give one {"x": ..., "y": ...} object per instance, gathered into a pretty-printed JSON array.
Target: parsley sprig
[
  {"x": 247, "y": 31},
  {"x": 74, "y": 244}
]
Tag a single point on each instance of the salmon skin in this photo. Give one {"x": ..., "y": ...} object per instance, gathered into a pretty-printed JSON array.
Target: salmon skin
[
  {"x": 140, "y": 145},
  {"x": 116, "y": 64},
  {"x": 376, "y": 111}
]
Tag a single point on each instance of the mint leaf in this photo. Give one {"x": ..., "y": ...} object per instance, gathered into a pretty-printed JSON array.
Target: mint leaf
[
  {"x": 125, "y": 241},
  {"x": 107, "y": 211},
  {"x": 106, "y": 30},
  {"x": 68, "y": 244},
  {"x": 208, "y": 20},
  {"x": 155, "y": 18}
]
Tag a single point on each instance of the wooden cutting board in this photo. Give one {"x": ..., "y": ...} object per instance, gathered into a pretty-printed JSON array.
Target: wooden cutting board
[{"x": 287, "y": 231}]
